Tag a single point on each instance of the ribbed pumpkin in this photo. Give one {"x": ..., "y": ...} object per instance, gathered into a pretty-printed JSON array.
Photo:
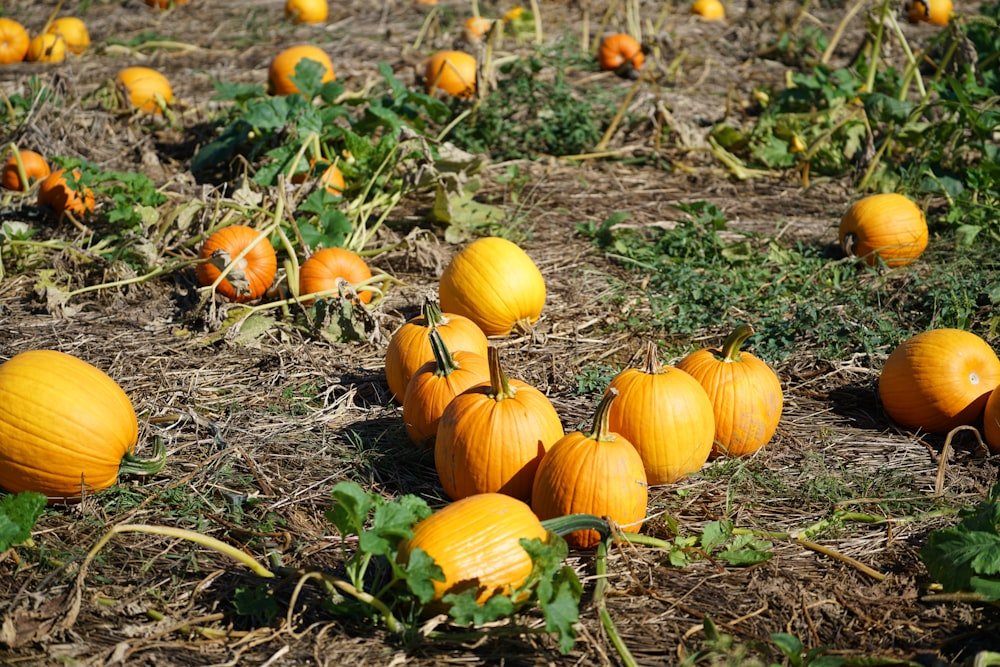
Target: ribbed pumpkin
[
  {"x": 36, "y": 168},
  {"x": 64, "y": 425},
  {"x": 939, "y": 379},
  {"x": 252, "y": 274},
  {"x": 146, "y": 89},
  {"x": 495, "y": 284},
  {"x": 884, "y": 228},
  {"x": 598, "y": 473},
  {"x": 667, "y": 415},
  {"x": 991, "y": 422},
  {"x": 492, "y": 436},
  {"x": 58, "y": 194},
  {"x": 324, "y": 268},
  {"x": 620, "y": 53},
  {"x": 453, "y": 72},
  {"x": 410, "y": 348},
  {"x": 435, "y": 384},
  {"x": 745, "y": 393},
  {"x": 476, "y": 542},
  {"x": 14, "y": 41}
]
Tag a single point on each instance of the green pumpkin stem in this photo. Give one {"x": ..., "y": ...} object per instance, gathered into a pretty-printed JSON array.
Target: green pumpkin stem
[
  {"x": 444, "y": 359},
  {"x": 433, "y": 317},
  {"x": 652, "y": 365},
  {"x": 499, "y": 384},
  {"x": 600, "y": 431},
  {"x": 734, "y": 341},
  {"x": 133, "y": 465}
]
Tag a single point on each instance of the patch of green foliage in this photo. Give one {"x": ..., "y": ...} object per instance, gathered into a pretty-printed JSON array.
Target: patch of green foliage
[{"x": 18, "y": 514}]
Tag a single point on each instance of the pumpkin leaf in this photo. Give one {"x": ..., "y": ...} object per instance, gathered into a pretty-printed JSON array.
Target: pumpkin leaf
[
  {"x": 465, "y": 610},
  {"x": 18, "y": 514},
  {"x": 421, "y": 572},
  {"x": 351, "y": 505}
]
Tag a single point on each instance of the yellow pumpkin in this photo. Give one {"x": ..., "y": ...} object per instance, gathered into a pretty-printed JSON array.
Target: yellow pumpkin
[
  {"x": 307, "y": 11},
  {"x": 884, "y": 228},
  {"x": 453, "y": 72},
  {"x": 935, "y": 12},
  {"x": 147, "y": 90},
  {"x": 283, "y": 66},
  {"x": 710, "y": 10},
  {"x": 46, "y": 48},
  {"x": 74, "y": 33}
]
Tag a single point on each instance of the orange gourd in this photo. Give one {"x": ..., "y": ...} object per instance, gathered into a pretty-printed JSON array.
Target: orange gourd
[
  {"x": 251, "y": 275},
  {"x": 991, "y": 422},
  {"x": 146, "y": 89},
  {"x": 667, "y": 415},
  {"x": 492, "y": 437},
  {"x": 935, "y": 12},
  {"x": 46, "y": 48},
  {"x": 435, "y": 384},
  {"x": 598, "y": 473},
  {"x": 476, "y": 542},
  {"x": 495, "y": 284},
  {"x": 327, "y": 267},
  {"x": 939, "y": 379},
  {"x": 884, "y": 228},
  {"x": 307, "y": 11},
  {"x": 621, "y": 53},
  {"x": 74, "y": 33},
  {"x": 710, "y": 10},
  {"x": 283, "y": 66},
  {"x": 57, "y": 194},
  {"x": 453, "y": 72},
  {"x": 410, "y": 348},
  {"x": 14, "y": 40},
  {"x": 745, "y": 393},
  {"x": 36, "y": 168}
]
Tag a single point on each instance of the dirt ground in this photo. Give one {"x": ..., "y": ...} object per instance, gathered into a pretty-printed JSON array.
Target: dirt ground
[{"x": 279, "y": 421}]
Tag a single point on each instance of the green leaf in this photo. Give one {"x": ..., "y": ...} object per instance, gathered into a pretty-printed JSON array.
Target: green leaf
[
  {"x": 350, "y": 509},
  {"x": 562, "y": 608},
  {"x": 883, "y": 108},
  {"x": 18, "y": 514},
  {"x": 420, "y": 573},
  {"x": 257, "y": 603},
  {"x": 790, "y": 645},
  {"x": 465, "y": 610},
  {"x": 715, "y": 533}
]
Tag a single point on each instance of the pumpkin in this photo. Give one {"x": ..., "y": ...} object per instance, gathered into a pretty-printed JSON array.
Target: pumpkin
[
  {"x": 325, "y": 268},
  {"x": 36, "y": 167},
  {"x": 620, "y": 53},
  {"x": 251, "y": 275},
  {"x": 935, "y": 12},
  {"x": 283, "y": 66},
  {"x": 476, "y": 542},
  {"x": 453, "y": 72},
  {"x": 495, "y": 284},
  {"x": 667, "y": 415},
  {"x": 939, "y": 379},
  {"x": 884, "y": 228},
  {"x": 598, "y": 473},
  {"x": 435, "y": 384},
  {"x": 710, "y": 10},
  {"x": 991, "y": 422},
  {"x": 745, "y": 393},
  {"x": 410, "y": 348},
  {"x": 475, "y": 28},
  {"x": 146, "y": 89},
  {"x": 65, "y": 426},
  {"x": 58, "y": 195},
  {"x": 46, "y": 48},
  {"x": 14, "y": 40},
  {"x": 492, "y": 436},
  {"x": 307, "y": 11},
  {"x": 73, "y": 31}
]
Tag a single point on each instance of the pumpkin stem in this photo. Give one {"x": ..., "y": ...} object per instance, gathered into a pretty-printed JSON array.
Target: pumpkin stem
[
  {"x": 445, "y": 360},
  {"x": 133, "y": 465},
  {"x": 499, "y": 384},
  {"x": 600, "y": 431},
  {"x": 652, "y": 365},
  {"x": 569, "y": 523},
  {"x": 433, "y": 317},
  {"x": 734, "y": 341}
]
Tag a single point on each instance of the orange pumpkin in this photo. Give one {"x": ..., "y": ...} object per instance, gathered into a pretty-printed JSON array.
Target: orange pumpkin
[
  {"x": 745, "y": 393},
  {"x": 598, "y": 473},
  {"x": 453, "y": 72},
  {"x": 283, "y": 66},
  {"x": 57, "y": 194},
  {"x": 935, "y": 12},
  {"x": 35, "y": 168},
  {"x": 435, "y": 384},
  {"x": 410, "y": 348},
  {"x": 991, "y": 422},
  {"x": 667, "y": 415},
  {"x": 620, "y": 53},
  {"x": 307, "y": 11},
  {"x": 939, "y": 379},
  {"x": 146, "y": 89},
  {"x": 251, "y": 275},
  {"x": 74, "y": 33},
  {"x": 476, "y": 542},
  {"x": 710, "y": 10},
  {"x": 884, "y": 228},
  {"x": 325, "y": 268},
  {"x": 46, "y": 48},
  {"x": 14, "y": 40},
  {"x": 492, "y": 437}
]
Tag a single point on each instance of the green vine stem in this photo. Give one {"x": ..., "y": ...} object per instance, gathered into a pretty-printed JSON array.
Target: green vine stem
[
  {"x": 133, "y": 465},
  {"x": 600, "y": 592},
  {"x": 601, "y": 429},
  {"x": 500, "y": 388},
  {"x": 444, "y": 360}
]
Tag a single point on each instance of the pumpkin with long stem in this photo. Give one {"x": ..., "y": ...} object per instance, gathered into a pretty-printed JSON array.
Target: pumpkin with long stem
[
  {"x": 598, "y": 473},
  {"x": 492, "y": 436},
  {"x": 409, "y": 348},
  {"x": 435, "y": 384},
  {"x": 246, "y": 255},
  {"x": 745, "y": 393},
  {"x": 667, "y": 415}
]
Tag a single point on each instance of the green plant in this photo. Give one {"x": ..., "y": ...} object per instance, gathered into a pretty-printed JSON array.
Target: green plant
[{"x": 18, "y": 514}]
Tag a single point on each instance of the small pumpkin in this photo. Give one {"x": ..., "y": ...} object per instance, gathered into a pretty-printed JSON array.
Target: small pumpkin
[
  {"x": 46, "y": 48},
  {"x": 476, "y": 542},
  {"x": 435, "y": 384},
  {"x": 710, "y": 10},
  {"x": 36, "y": 168},
  {"x": 73, "y": 31},
  {"x": 410, "y": 348},
  {"x": 61, "y": 197},
  {"x": 991, "y": 422},
  {"x": 621, "y": 53},
  {"x": 453, "y": 72},
  {"x": 65, "y": 426},
  {"x": 745, "y": 393},
  {"x": 935, "y": 12},
  {"x": 667, "y": 415},
  {"x": 475, "y": 28},
  {"x": 251, "y": 275},
  {"x": 283, "y": 66},
  {"x": 325, "y": 268},
  {"x": 492, "y": 436},
  {"x": 146, "y": 89},
  {"x": 495, "y": 284},
  {"x": 14, "y": 40},
  {"x": 884, "y": 228},
  {"x": 939, "y": 379},
  {"x": 307, "y": 11},
  {"x": 598, "y": 473}
]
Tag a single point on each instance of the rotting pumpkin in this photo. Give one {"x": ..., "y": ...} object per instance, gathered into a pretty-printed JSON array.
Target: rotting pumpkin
[
  {"x": 66, "y": 428},
  {"x": 251, "y": 275}
]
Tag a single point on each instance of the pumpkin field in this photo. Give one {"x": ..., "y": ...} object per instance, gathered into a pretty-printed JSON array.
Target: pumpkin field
[{"x": 499, "y": 332}]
